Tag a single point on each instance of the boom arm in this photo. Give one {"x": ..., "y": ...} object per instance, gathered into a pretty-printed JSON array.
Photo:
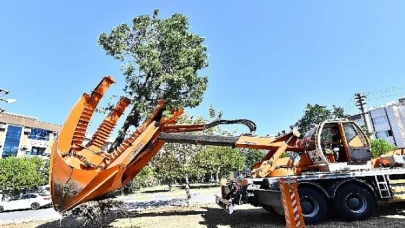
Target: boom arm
[{"x": 81, "y": 173}]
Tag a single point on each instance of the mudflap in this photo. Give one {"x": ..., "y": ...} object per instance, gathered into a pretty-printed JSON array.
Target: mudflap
[{"x": 224, "y": 204}]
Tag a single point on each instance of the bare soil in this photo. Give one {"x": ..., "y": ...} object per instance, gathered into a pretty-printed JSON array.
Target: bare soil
[{"x": 212, "y": 216}]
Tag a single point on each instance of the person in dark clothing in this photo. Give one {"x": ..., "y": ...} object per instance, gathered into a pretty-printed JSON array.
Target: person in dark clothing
[
  {"x": 337, "y": 142},
  {"x": 336, "y": 138}
]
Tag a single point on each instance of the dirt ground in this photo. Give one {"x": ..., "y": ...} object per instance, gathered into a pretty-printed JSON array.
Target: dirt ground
[{"x": 214, "y": 217}]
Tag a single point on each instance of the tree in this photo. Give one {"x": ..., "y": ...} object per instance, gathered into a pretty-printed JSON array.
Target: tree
[
  {"x": 145, "y": 178},
  {"x": 160, "y": 60},
  {"x": 17, "y": 174},
  {"x": 315, "y": 114},
  {"x": 219, "y": 161},
  {"x": 252, "y": 156},
  {"x": 380, "y": 147}
]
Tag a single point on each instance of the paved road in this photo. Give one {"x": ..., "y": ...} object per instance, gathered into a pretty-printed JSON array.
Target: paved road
[
  {"x": 158, "y": 201},
  {"x": 46, "y": 213}
]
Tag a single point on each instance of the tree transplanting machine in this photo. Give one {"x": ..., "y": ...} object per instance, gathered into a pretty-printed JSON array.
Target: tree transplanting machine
[{"x": 323, "y": 176}]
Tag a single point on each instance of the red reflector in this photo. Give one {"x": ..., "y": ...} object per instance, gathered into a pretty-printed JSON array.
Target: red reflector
[{"x": 47, "y": 198}]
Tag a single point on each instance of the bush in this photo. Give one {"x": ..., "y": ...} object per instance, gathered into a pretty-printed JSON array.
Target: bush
[{"x": 380, "y": 147}]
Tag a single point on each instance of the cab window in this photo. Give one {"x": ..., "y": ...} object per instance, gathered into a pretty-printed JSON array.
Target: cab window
[{"x": 353, "y": 136}]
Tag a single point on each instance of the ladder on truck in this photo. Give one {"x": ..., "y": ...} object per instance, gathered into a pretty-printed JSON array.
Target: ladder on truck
[
  {"x": 291, "y": 203},
  {"x": 382, "y": 186}
]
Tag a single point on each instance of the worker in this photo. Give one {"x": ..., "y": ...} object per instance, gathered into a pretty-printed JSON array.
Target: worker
[
  {"x": 337, "y": 142},
  {"x": 336, "y": 138}
]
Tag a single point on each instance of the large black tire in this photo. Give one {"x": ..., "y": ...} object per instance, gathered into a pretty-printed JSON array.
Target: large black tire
[
  {"x": 1, "y": 209},
  {"x": 354, "y": 202},
  {"x": 313, "y": 205},
  {"x": 35, "y": 206}
]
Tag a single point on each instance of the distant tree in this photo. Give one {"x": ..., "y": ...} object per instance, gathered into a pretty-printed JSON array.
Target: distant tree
[
  {"x": 218, "y": 161},
  {"x": 252, "y": 156},
  {"x": 176, "y": 160},
  {"x": 315, "y": 114},
  {"x": 145, "y": 178},
  {"x": 380, "y": 147},
  {"x": 21, "y": 173},
  {"x": 161, "y": 60}
]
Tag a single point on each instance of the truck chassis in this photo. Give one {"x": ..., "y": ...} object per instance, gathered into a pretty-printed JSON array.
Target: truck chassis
[{"x": 352, "y": 195}]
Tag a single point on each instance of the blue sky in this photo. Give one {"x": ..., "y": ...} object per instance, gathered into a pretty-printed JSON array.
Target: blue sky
[{"x": 268, "y": 59}]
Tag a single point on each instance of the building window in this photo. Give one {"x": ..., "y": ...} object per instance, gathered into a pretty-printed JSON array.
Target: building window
[
  {"x": 37, "y": 151},
  {"x": 380, "y": 120},
  {"x": 383, "y": 134},
  {"x": 12, "y": 141},
  {"x": 39, "y": 134}
]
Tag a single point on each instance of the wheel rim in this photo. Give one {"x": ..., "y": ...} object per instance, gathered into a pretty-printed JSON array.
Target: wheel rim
[
  {"x": 356, "y": 203},
  {"x": 309, "y": 206},
  {"x": 35, "y": 206}
]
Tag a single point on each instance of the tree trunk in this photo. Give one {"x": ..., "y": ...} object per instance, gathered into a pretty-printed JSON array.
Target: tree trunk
[
  {"x": 170, "y": 184},
  {"x": 132, "y": 119},
  {"x": 187, "y": 188},
  {"x": 217, "y": 175}
]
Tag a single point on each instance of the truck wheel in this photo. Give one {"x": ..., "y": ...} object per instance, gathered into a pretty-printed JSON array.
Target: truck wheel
[
  {"x": 313, "y": 205},
  {"x": 353, "y": 202}
]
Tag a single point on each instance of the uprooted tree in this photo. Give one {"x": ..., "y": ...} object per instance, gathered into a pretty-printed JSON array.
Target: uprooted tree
[{"x": 161, "y": 59}]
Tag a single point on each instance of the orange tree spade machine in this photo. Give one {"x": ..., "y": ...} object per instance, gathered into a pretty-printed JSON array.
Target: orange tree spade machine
[{"x": 341, "y": 177}]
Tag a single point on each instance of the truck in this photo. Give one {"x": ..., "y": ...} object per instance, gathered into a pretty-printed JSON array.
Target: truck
[
  {"x": 343, "y": 180},
  {"x": 333, "y": 172}
]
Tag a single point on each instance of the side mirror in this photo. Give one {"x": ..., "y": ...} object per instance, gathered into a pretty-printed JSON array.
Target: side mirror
[{"x": 336, "y": 149}]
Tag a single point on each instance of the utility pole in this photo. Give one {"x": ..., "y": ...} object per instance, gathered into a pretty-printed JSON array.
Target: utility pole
[
  {"x": 5, "y": 100},
  {"x": 361, "y": 103}
]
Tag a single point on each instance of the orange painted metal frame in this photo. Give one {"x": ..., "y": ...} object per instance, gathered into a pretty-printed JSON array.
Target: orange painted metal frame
[{"x": 80, "y": 173}]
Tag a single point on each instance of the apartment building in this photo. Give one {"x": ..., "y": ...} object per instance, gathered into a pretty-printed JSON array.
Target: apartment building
[
  {"x": 387, "y": 122},
  {"x": 27, "y": 136},
  {"x": 23, "y": 135}
]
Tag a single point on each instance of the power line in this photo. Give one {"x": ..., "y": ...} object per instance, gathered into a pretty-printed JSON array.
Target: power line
[{"x": 385, "y": 89}]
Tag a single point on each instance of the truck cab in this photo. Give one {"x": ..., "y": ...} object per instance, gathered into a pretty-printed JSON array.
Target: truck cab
[{"x": 338, "y": 145}]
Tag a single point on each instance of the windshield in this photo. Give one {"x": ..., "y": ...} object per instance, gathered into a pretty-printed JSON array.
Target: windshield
[{"x": 310, "y": 133}]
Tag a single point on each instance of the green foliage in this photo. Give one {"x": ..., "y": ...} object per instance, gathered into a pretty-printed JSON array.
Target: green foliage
[
  {"x": 315, "y": 114},
  {"x": 380, "y": 147},
  {"x": 17, "y": 174},
  {"x": 145, "y": 178},
  {"x": 219, "y": 161},
  {"x": 177, "y": 161},
  {"x": 161, "y": 60},
  {"x": 252, "y": 156}
]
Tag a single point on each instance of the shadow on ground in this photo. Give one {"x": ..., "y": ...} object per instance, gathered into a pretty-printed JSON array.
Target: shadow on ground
[{"x": 214, "y": 217}]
